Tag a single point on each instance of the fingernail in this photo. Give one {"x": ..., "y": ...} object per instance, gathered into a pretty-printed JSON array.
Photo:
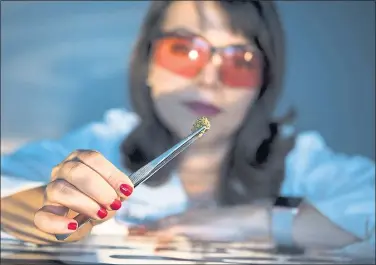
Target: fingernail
[
  {"x": 116, "y": 205},
  {"x": 126, "y": 189},
  {"x": 102, "y": 213},
  {"x": 72, "y": 226}
]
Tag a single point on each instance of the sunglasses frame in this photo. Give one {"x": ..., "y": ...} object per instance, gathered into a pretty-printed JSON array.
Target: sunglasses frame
[{"x": 213, "y": 49}]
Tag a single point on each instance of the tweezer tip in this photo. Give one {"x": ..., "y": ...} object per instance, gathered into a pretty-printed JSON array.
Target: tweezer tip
[{"x": 202, "y": 122}]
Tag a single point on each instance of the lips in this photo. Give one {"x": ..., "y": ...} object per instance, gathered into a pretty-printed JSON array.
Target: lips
[{"x": 202, "y": 109}]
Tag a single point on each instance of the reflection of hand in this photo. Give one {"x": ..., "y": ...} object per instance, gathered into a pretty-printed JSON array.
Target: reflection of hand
[{"x": 221, "y": 224}]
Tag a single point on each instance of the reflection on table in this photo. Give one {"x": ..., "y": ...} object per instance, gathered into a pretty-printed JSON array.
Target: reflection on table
[{"x": 141, "y": 250}]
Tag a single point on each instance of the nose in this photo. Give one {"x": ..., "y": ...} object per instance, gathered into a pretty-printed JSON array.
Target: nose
[{"x": 210, "y": 76}]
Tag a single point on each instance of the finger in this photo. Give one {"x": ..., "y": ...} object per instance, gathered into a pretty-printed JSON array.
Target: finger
[
  {"x": 89, "y": 182},
  {"x": 117, "y": 179},
  {"x": 51, "y": 219},
  {"x": 112, "y": 175},
  {"x": 64, "y": 193},
  {"x": 55, "y": 169}
]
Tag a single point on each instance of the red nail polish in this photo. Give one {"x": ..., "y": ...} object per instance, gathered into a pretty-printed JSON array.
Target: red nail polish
[
  {"x": 102, "y": 213},
  {"x": 72, "y": 226},
  {"x": 116, "y": 205},
  {"x": 126, "y": 189}
]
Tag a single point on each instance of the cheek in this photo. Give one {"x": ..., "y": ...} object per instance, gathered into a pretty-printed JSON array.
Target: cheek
[
  {"x": 163, "y": 82},
  {"x": 236, "y": 106},
  {"x": 167, "y": 91},
  {"x": 238, "y": 101}
]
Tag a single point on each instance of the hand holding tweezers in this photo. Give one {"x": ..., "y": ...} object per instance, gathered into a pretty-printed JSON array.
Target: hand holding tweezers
[{"x": 149, "y": 169}]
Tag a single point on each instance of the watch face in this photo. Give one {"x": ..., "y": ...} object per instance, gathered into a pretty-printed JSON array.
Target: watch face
[{"x": 288, "y": 202}]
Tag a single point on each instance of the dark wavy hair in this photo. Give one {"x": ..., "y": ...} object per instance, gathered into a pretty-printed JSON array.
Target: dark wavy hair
[{"x": 254, "y": 166}]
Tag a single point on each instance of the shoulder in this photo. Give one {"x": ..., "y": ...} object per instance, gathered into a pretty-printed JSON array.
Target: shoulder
[
  {"x": 307, "y": 146},
  {"x": 106, "y": 136},
  {"x": 311, "y": 150},
  {"x": 35, "y": 159},
  {"x": 313, "y": 163},
  {"x": 115, "y": 122}
]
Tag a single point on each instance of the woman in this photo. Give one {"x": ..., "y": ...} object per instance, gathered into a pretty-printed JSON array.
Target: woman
[{"x": 223, "y": 60}]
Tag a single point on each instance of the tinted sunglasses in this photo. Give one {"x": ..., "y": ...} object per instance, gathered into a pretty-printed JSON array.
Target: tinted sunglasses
[{"x": 187, "y": 54}]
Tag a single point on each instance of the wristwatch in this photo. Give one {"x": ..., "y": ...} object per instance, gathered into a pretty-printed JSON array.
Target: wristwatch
[{"x": 283, "y": 214}]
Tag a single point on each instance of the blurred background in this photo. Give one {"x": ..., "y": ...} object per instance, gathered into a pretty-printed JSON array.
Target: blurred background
[{"x": 63, "y": 64}]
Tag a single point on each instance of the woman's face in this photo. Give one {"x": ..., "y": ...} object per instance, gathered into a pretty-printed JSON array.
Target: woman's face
[{"x": 188, "y": 81}]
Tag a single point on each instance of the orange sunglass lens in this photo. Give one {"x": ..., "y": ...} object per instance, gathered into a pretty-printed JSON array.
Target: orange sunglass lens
[
  {"x": 183, "y": 56},
  {"x": 241, "y": 69}
]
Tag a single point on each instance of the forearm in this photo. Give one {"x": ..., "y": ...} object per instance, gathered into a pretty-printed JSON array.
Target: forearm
[
  {"x": 17, "y": 217},
  {"x": 313, "y": 229},
  {"x": 310, "y": 228}
]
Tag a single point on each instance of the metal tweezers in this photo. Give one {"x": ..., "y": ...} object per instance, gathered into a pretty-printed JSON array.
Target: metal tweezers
[{"x": 148, "y": 170}]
